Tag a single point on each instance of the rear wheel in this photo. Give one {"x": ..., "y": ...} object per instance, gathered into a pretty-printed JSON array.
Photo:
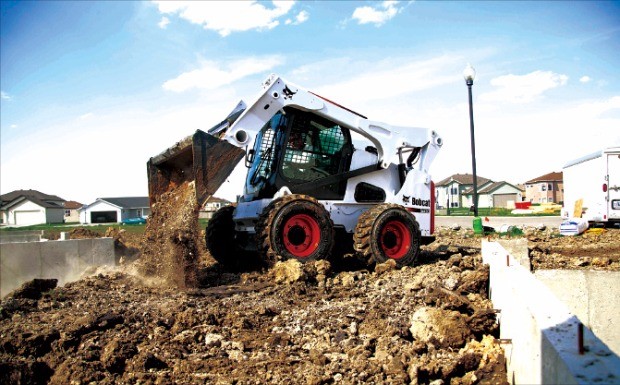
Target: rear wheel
[
  {"x": 388, "y": 231},
  {"x": 220, "y": 240},
  {"x": 295, "y": 226}
]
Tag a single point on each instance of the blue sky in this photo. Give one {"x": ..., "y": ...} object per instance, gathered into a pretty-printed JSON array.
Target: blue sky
[{"x": 91, "y": 90}]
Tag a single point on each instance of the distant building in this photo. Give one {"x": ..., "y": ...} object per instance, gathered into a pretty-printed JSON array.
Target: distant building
[
  {"x": 457, "y": 191},
  {"x": 115, "y": 210},
  {"x": 495, "y": 194},
  {"x": 72, "y": 213},
  {"x": 212, "y": 205},
  {"x": 450, "y": 191},
  {"x": 546, "y": 188},
  {"x": 30, "y": 207}
]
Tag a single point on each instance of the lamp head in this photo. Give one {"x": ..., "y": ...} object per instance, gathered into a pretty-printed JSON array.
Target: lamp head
[{"x": 469, "y": 74}]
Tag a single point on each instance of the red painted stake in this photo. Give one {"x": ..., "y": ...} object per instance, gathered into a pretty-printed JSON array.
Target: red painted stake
[{"x": 580, "y": 338}]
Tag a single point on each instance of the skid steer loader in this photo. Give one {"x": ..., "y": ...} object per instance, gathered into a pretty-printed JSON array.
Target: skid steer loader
[{"x": 315, "y": 169}]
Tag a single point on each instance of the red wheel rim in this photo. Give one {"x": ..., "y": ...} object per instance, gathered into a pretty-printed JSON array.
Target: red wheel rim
[
  {"x": 301, "y": 235},
  {"x": 395, "y": 239}
]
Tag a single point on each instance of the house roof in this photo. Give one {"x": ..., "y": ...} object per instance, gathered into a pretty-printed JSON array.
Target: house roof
[
  {"x": 490, "y": 187},
  {"x": 28, "y": 193},
  {"x": 39, "y": 202},
  {"x": 127, "y": 202},
  {"x": 37, "y": 197},
  {"x": 494, "y": 186},
  {"x": 72, "y": 205},
  {"x": 217, "y": 200},
  {"x": 464, "y": 179},
  {"x": 550, "y": 177}
]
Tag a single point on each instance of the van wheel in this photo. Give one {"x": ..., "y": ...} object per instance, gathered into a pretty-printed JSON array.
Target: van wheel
[
  {"x": 387, "y": 231},
  {"x": 295, "y": 227}
]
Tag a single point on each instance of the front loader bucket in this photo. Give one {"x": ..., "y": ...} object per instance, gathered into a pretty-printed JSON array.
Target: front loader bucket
[{"x": 201, "y": 157}]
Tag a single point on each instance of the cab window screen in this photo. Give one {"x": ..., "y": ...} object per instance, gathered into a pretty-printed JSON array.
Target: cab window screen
[{"x": 314, "y": 148}]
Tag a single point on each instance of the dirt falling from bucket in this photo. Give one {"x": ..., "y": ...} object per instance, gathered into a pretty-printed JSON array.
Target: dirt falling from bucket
[{"x": 170, "y": 248}]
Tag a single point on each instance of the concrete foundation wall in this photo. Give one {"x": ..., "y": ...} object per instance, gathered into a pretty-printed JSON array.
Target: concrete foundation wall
[
  {"x": 540, "y": 335},
  {"x": 64, "y": 260},
  {"x": 593, "y": 296},
  {"x": 21, "y": 236}
]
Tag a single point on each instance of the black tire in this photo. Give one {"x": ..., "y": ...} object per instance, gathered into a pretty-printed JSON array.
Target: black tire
[
  {"x": 220, "y": 239},
  {"x": 294, "y": 227},
  {"x": 387, "y": 231}
]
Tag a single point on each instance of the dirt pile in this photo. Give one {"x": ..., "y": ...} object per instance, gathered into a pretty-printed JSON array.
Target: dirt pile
[
  {"x": 316, "y": 325},
  {"x": 83, "y": 233},
  {"x": 170, "y": 248},
  {"x": 596, "y": 249}
]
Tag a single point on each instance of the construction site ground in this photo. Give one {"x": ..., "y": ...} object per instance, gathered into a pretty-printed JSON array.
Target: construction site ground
[{"x": 320, "y": 323}]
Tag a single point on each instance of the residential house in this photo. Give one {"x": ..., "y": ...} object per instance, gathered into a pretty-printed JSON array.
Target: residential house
[
  {"x": 546, "y": 188},
  {"x": 495, "y": 194},
  {"x": 212, "y": 205},
  {"x": 72, "y": 213},
  {"x": 30, "y": 207},
  {"x": 115, "y": 210},
  {"x": 449, "y": 191}
]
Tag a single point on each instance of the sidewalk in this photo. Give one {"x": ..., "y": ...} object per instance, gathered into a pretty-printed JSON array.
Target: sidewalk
[{"x": 497, "y": 222}]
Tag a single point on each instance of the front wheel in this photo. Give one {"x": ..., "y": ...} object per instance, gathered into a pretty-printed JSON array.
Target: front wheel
[
  {"x": 295, "y": 227},
  {"x": 388, "y": 231}
]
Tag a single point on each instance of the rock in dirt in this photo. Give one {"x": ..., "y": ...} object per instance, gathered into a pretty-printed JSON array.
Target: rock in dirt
[{"x": 441, "y": 328}]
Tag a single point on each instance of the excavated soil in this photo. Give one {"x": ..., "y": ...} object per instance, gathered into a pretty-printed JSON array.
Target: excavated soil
[
  {"x": 317, "y": 323},
  {"x": 170, "y": 248},
  {"x": 596, "y": 249}
]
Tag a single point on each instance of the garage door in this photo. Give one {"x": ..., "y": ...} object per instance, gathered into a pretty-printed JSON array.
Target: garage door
[
  {"x": 501, "y": 200},
  {"x": 28, "y": 217},
  {"x": 103, "y": 216}
]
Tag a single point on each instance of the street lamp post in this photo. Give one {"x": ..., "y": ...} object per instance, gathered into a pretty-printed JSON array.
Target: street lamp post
[{"x": 469, "y": 74}]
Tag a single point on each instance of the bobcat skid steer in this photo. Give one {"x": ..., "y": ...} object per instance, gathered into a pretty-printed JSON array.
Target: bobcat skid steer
[{"x": 315, "y": 169}]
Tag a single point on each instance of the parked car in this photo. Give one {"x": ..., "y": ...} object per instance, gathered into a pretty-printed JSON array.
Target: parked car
[{"x": 134, "y": 221}]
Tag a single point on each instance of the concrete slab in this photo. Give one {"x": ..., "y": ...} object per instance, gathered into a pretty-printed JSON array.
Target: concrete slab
[
  {"x": 593, "y": 296},
  {"x": 18, "y": 261},
  {"x": 54, "y": 259},
  {"x": 543, "y": 334},
  {"x": 64, "y": 260},
  {"x": 21, "y": 236},
  {"x": 518, "y": 249}
]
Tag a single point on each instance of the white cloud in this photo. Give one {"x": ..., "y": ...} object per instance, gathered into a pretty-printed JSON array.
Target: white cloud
[
  {"x": 523, "y": 88},
  {"x": 5, "y": 96},
  {"x": 103, "y": 164},
  {"x": 86, "y": 116},
  {"x": 301, "y": 17},
  {"x": 13, "y": 126},
  {"x": 213, "y": 75},
  {"x": 376, "y": 15},
  {"x": 163, "y": 23},
  {"x": 594, "y": 109},
  {"x": 585, "y": 79},
  {"x": 226, "y": 17},
  {"x": 388, "y": 79}
]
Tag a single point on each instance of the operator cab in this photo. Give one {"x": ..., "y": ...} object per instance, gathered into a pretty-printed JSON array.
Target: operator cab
[{"x": 300, "y": 150}]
